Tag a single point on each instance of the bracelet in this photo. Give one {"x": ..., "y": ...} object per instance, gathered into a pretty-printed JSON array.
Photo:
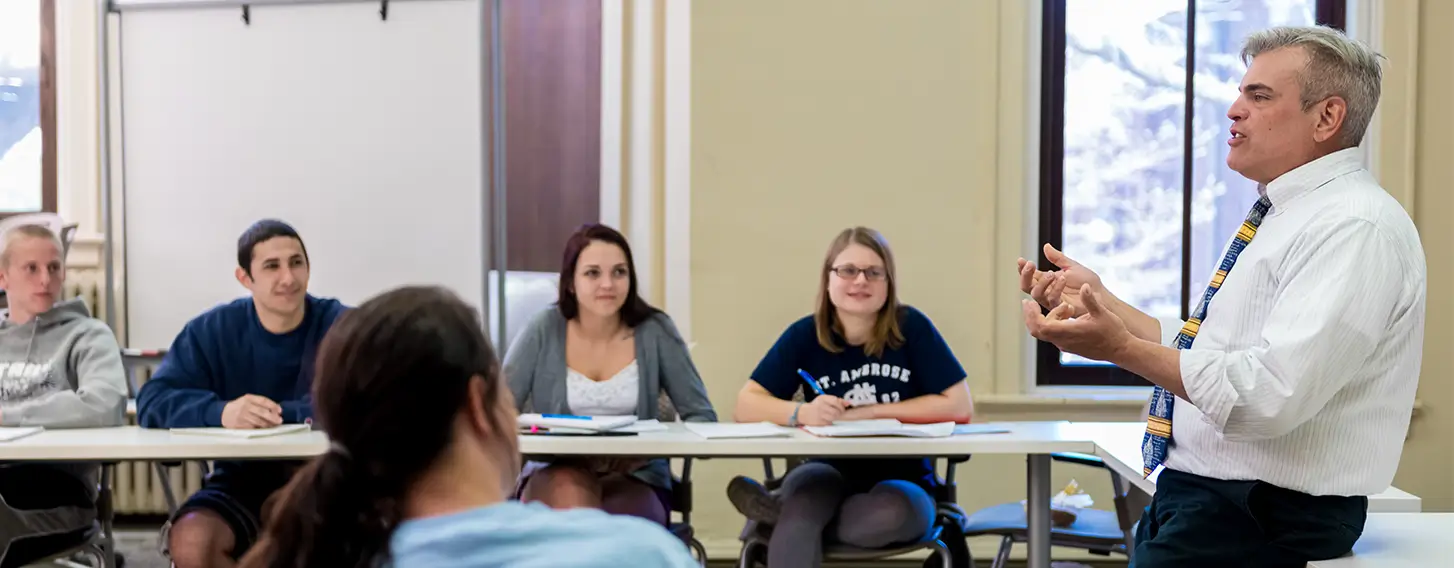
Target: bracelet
[{"x": 793, "y": 420}]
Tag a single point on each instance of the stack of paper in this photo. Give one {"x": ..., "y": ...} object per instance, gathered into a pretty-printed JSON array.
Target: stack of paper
[
  {"x": 16, "y": 433},
  {"x": 714, "y": 430},
  {"x": 890, "y": 427},
  {"x": 240, "y": 433},
  {"x": 576, "y": 423}
]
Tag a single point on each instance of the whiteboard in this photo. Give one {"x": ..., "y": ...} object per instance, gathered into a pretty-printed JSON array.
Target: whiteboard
[{"x": 365, "y": 135}]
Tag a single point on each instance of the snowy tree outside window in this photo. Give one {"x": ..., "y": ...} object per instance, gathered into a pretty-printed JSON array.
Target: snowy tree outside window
[
  {"x": 1124, "y": 134},
  {"x": 21, "y": 134}
]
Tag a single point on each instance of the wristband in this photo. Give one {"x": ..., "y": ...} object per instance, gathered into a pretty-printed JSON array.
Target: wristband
[{"x": 793, "y": 420}]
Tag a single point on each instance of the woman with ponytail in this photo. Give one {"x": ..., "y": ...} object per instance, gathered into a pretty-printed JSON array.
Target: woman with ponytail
[{"x": 423, "y": 456}]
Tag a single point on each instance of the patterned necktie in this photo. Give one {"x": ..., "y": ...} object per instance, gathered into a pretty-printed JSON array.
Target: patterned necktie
[{"x": 1158, "y": 423}]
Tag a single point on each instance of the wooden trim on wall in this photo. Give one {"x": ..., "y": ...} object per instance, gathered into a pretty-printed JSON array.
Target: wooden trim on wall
[{"x": 48, "y": 105}]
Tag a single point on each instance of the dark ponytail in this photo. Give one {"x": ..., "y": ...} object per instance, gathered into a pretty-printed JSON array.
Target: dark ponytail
[{"x": 391, "y": 377}]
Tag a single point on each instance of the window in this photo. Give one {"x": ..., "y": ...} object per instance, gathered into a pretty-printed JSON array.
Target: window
[
  {"x": 27, "y": 106},
  {"x": 1126, "y": 187}
]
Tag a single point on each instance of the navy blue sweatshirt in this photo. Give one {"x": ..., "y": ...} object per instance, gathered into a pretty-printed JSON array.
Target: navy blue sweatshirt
[{"x": 226, "y": 353}]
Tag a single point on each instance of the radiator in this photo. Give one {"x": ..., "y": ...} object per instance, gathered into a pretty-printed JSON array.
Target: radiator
[{"x": 137, "y": 489}]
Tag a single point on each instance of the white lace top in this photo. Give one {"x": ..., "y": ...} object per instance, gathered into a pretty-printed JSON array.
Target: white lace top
[{"x": 615, "y": 396}]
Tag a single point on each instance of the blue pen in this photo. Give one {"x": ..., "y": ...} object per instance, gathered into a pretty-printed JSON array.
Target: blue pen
[
  {"x": 570, "y": 416},
  {"x": 811, "y": 382}
]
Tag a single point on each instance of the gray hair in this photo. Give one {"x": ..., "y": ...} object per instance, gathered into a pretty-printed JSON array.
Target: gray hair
[
  {"x": 27, "y": 231},
  {"x": 1338, "y": 66}
]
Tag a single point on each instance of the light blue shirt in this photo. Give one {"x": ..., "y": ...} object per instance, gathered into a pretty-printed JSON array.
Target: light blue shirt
[{"x": 520, "y": 535}]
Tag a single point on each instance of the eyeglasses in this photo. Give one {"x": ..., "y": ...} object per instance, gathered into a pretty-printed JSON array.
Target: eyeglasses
[{"x": 851, "y": 272}]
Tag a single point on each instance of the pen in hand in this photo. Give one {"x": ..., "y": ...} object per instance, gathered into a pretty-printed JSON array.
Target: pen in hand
[{"x": 811, "y": 382}]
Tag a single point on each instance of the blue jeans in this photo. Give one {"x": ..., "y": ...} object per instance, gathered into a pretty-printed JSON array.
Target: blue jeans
[{"x": 1196, "y": 521}]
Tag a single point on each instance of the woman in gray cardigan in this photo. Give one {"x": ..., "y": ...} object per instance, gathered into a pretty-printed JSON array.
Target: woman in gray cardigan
[{"x": 603, "y": 351}]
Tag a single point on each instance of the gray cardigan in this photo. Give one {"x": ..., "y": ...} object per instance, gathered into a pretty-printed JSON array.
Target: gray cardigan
[{"x": 535, "y": 370}]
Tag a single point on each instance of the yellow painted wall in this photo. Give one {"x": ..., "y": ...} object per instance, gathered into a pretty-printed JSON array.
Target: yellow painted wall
[{"x": 911, "y": 117}]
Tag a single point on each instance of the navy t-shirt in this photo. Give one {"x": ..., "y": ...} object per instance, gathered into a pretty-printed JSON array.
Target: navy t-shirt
[{"x": 923, "y": 365}]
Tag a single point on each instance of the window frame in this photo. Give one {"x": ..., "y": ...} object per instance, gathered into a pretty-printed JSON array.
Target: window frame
[
  {"x": 1049, "y": 371},
  {"x": 49, "y": 148}
]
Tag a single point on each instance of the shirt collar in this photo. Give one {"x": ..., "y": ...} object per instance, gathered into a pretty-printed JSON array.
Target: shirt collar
[{"x": 1310, "y": 176}]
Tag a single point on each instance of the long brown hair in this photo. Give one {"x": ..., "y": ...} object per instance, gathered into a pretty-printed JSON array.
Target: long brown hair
[
  {"x": 635, "y": 310},
  {"x": 886, "y": 332},
  {"x": 392, "y": 376}
]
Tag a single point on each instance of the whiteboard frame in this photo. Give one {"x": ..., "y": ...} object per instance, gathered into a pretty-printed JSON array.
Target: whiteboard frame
[{"x": 493, "y": 238}]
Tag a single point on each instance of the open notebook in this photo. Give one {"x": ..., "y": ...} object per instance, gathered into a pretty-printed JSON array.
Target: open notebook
[
  {"x": 576, "y": 423},
  {"x": 240, "y": 433},
  {"x": 18, "y": 432},
  {"x": 887, "y": 427}
]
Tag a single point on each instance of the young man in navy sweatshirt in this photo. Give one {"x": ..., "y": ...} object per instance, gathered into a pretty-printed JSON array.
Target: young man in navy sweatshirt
[{"x": 243, "y": 364}]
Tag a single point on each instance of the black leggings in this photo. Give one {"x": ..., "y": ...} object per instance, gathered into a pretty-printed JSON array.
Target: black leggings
[{"x": 816, "y": 501}]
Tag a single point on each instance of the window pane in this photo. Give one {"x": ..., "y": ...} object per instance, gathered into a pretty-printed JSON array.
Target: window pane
[
  {"x": 1125, "y": 89},
  {"x": 20, "y": 133},
  {"x": 1220, "y": 196}
]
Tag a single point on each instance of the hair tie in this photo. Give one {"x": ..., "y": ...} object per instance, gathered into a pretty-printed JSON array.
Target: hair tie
[{"x": 337, "y": 449}]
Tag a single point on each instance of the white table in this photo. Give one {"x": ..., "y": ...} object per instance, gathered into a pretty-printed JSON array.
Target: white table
[
  {"x": 131, "y": 443},
  {"x": 1119, "y": 445},
  {"x": 1402, "y": 540},
  {"x": 677, "y": 441},
  {"x": 1037, "y": 439}
]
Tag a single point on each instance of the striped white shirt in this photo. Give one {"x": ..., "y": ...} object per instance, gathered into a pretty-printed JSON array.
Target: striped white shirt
[{"x": 1303, "y": 374}]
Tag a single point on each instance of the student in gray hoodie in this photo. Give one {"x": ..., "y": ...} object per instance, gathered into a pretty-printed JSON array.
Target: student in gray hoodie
[{"x": 59, "y": 368}]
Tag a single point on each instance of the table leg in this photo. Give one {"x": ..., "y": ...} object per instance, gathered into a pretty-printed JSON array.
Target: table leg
[
  {"x": 106, "y": 513},
  {"x": 1038, "y": 510}
]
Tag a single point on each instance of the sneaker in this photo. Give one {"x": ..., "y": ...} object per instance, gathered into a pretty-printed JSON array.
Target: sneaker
[{"x": 753, "y": 500}]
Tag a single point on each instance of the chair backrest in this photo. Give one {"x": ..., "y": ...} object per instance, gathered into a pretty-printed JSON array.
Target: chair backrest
[
  {"x": 66, "y": 233},
  {"x": 665, "y": 410}
]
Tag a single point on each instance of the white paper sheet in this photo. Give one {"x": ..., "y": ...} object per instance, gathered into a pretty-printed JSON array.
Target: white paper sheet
[
  {"x": 241, "y": 433},
  {"x": 15, "y": 433},
  {"x": 715, "y": 430}
]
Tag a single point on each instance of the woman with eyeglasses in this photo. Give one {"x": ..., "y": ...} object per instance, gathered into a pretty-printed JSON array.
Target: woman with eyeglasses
[{"x": 860, "y": 355}]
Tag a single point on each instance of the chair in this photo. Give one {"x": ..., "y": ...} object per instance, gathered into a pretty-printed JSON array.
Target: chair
[
  {"x": 681, "y": 504},
  {"x": 94, "y": 545},
  {"x": 945, "y": 537},
  {"x": 65, "y": 232},
  {"x": 134, "y": 362},
  {"x": 681, "y": 488},
  {"x": 681, "y": 491},
  {"x": 1097, "y": 531}
]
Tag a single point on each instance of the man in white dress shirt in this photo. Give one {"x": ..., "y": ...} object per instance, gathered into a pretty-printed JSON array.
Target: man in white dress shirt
[{"x": 1283, "y": 403}]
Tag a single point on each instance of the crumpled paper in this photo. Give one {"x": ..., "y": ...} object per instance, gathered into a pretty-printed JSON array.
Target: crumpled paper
[{"x": 1066, "y": 505}]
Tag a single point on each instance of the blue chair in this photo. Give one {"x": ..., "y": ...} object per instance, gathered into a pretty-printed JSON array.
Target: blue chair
[{"x": 1094, "y": 530}]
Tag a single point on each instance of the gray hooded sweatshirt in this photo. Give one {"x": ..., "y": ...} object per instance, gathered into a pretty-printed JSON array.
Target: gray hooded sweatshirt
[{"x": 59, "y": 370}]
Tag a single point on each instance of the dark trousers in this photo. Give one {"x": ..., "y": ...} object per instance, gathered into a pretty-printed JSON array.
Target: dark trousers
[
  {"x": 36, "y": 487},
  {"x": 1196, "y": 521}
]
